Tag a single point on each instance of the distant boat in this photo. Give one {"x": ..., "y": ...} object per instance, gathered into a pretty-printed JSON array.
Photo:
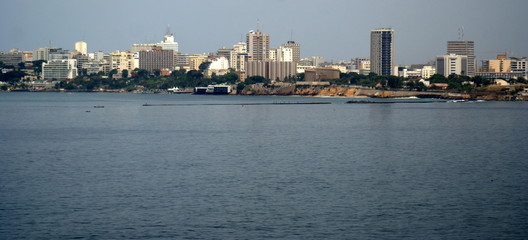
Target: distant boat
[
  {"x": 173, "y": 90},
  {"x": 98, "y": 106}
]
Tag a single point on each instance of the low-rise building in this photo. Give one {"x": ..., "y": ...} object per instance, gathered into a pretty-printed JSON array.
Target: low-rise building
[
  {"x": 12, "y": 58},
  {"x": 318, "y": 74},
  {"x": 273, "y": 70},
  {"x": 499, "y": 65}
]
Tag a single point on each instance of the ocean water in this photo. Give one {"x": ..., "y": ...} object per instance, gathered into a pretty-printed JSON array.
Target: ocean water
[{"x": 232, "y": 170}]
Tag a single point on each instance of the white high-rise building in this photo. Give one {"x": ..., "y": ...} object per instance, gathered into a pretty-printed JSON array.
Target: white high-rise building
[
  {"x": 284, "y": 54},
  {"x": 221, "y": 63},
  {"x": 382, "y": 51},
  {"x": 60, "y": 69},
  {"x": 81, "y": 47},
  {"x": 296, "y": 50},
  {"x": 168, "y": 43},
  {"x": 451, "y": 64}
]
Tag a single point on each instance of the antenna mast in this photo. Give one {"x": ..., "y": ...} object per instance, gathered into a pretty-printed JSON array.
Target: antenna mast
[{"x": 461, "y": 33}]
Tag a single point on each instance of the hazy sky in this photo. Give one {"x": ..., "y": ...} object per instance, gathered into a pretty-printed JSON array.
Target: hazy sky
[{"x": 334, "y": 29}]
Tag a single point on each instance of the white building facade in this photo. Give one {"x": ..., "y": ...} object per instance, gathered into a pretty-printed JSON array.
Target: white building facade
[
  {"x": 59, "y": 69},
  {"x": 451, "y": 64}
]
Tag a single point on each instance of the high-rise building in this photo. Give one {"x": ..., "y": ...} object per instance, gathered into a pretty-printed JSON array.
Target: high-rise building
[
  {"x": 157, "y": 59},
  {"x": 258, "y": 46},
  {"x": 81, "y": 47},
  {"x": 382, "y": 51},
  {"x": 464, "y": 48},
  {"x": 451, "y": 64},
  {"x": 285, "y": 54},
  {"x": 296, "y": 50},
  {"x": 59, "y": 69}
]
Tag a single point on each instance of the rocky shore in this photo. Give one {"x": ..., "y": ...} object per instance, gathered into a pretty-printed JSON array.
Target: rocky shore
[{"x": 501, "y": 93}]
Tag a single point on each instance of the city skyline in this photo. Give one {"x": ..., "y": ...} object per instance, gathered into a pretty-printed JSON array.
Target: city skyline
[{"x": 337, "y": 30}]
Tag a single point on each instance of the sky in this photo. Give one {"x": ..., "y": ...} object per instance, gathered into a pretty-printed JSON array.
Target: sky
[{"x": 334, "y": 29}]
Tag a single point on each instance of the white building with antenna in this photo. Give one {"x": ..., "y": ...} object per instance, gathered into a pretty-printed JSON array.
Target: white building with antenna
[{"x": 168, "y": 43}]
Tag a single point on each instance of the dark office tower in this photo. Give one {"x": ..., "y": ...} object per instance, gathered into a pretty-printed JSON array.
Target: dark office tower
[{"x": 382, "y": 51}]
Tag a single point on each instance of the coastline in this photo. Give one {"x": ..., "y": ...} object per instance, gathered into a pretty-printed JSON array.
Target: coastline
[{"x": 493, "y": 93}]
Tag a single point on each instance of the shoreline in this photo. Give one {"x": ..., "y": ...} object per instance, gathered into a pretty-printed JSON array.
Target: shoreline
[{"x": 498, "y": 93}]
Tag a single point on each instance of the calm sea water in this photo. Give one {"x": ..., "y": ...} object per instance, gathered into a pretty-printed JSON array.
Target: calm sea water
[{"x": 338, "y": 171}]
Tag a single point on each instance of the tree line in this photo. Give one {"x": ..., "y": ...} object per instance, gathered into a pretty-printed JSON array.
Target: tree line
[{"x": 141, "y": 78}]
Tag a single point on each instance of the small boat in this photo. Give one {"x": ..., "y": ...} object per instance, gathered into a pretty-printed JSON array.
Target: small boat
[
  {"x": 173, "y": 90},
  {"x": 98, "y": 106}
]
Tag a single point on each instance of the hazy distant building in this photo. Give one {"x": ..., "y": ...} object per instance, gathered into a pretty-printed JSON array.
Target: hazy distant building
[
  {"x": 296, "y": 50},
  {"x": 59, "y": 69},
  {"x": 97, "y": 56},
  {"x": 13, "y": 57},
  {"x": 318, "y": 74},
  {"x": 240, "y": 47},
  {"x": 362, "y": 65},
  {"x": 81, "y": 60},
  {"x": 81, "y": 47},
  {"x": 451, "y": 64},
  {"x": 49, "y": 54},
  {"x": 224, "y": 52},
  {"x": 464, "y": 48},
  {"x": 382, "y": 51},
  {"x": 314, "y": 61},
  {"x": 258, "y": 46},
  {"x": 157, "y": 59}
]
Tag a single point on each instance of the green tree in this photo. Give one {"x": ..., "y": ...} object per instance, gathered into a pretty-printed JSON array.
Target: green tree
[
  {"x": 204, "y": 66},
  {"x": 12, "y": 76},
  {"x": 230, "y": 77},
  {"x": 257, "y": 80},
  {"x": 438, "y": 78},
  {"x": 111, "y": 73},
  {"x": 142, "y": 73},
  {"x": 38, "y": 65},
  {"x": 124, "y": 73}
]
